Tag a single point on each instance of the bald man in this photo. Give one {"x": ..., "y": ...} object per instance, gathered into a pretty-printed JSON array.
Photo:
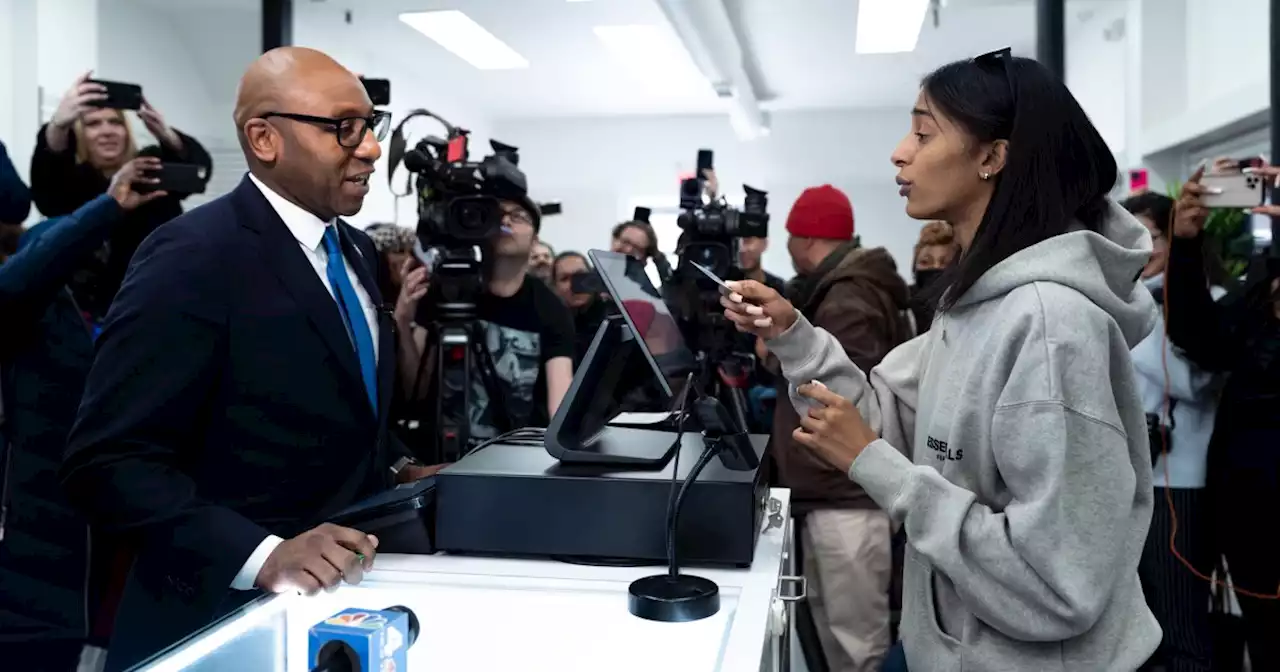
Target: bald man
[{"x": 240, "y": 391}]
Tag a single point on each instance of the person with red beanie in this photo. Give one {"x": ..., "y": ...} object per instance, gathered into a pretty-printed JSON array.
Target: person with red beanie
[{"x": 858, "y": 296}]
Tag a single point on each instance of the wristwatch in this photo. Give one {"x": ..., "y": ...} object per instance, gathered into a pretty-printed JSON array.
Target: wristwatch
[{"x": 403, "y": 462}]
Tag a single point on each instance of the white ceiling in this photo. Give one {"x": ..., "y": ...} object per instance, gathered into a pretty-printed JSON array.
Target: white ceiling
[{"x": 799, "y": 53}]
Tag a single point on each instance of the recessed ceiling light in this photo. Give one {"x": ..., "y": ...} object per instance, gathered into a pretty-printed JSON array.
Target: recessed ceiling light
[
  {"x": 456, "y": 32},
  {"x": 889, "y": 26},
  {"x": 653, "y": 54}
]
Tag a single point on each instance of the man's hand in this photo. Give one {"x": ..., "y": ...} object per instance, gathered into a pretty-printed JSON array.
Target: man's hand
[
  {"x": 757, "y": 309},
  {"x": 317, "y": 559},
  {"x": 413, "y": 286},
  {"x": 77, "y": 100},
  {"x": 132, "y": 173},
  {"x": 417, "y": 472},
  {"x": 154, "y": 121}
]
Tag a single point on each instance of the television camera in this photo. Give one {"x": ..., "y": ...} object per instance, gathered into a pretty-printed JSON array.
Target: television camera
[
  {"x": 710, "y": 236},
  {"x": 459, "y": 214}
]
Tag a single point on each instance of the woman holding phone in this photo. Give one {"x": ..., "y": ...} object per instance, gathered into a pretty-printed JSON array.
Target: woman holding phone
[
  {"x": 77, "y": 153},
  {"x": 1009, "y": 440}
]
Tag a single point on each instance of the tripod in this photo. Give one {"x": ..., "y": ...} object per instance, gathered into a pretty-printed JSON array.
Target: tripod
[{"x": 458, "y": 354}]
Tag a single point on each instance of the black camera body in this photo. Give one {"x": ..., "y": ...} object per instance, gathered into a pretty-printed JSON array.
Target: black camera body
[
  {"x": 710, "y": 231},
  {"x": 459, "y": 201}
]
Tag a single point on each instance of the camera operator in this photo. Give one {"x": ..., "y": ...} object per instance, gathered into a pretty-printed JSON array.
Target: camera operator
[
  {"x": 45, "y": 354},
  {"x": 588, "y": 308},
  {"x": 1239, "y": 335},
  {"x": 77, "y": 153},
  {"x": 527, "y": 330}
]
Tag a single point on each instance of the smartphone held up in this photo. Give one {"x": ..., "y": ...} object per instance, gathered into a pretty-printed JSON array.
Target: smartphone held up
[{"x": 1238, "y": 186}]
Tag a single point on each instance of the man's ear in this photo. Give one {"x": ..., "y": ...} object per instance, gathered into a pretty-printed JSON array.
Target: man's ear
[
  {"x": 995, "y": 157},
  {"x": 263, "y": 140}
]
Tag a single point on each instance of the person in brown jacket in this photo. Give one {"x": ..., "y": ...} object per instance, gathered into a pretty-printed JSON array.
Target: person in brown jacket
[{"x": 858, "y": 296}]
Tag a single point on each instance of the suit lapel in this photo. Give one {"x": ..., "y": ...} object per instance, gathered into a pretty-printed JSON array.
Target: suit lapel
[{"x": 287, "y": 260}]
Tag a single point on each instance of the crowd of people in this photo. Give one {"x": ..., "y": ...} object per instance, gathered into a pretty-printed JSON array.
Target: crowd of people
[{"x": 1042, "y": 453}]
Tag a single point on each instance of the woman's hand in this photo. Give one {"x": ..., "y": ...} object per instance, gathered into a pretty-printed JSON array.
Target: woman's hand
[
  {"x": 1190, "y": 212},
  {"x": 413, "y": 286},
  {"x": 833, "y": 428},
  {"x": 757, "y": 309},
  {"x": 122, "y": 187},
  {"x": 77, "y": 100},
  {"x": 155, "y": 123}
]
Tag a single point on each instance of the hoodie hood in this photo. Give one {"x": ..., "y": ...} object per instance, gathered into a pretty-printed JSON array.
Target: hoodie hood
[
  {"x": 873, "y": 268},
  {"x": 1105, "y": 267}
]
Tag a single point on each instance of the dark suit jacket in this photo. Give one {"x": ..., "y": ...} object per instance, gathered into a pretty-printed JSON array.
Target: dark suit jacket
[{"x": 225, "y": 403}]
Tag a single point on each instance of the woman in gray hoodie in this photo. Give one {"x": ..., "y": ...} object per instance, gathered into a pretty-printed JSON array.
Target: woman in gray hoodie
[{"x": 1010, "y": 439}]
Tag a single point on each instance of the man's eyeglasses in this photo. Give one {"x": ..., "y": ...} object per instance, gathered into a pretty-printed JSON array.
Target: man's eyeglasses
[
  {"x": 349, "y": 130},
  {"x": 517, "y": 215}
]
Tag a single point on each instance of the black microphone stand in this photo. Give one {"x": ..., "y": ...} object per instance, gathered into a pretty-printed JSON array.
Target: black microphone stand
[{"x": 674, "y": 597}]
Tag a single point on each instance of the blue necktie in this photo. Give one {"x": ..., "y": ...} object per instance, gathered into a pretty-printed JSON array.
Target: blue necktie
[{"x": 352, "y": 314}]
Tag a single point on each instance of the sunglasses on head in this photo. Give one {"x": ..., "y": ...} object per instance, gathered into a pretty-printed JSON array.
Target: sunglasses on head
[{"x": 1002, "y": 58}]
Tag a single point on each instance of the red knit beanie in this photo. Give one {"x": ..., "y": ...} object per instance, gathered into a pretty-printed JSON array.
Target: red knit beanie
[{"x": 821, "y": 212}]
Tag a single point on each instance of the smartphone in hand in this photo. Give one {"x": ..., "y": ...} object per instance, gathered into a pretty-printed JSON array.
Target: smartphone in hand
[
  {"x": 181, "y": 179},
  {"x": 1234, "y": 190},
  {"x": 120, "y": 96}
]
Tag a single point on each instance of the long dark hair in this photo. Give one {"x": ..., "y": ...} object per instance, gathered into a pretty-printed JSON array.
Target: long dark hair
[{"x": 1058, "y": 169}]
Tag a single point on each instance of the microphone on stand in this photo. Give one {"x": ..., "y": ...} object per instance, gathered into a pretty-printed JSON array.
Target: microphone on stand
[
  {"x": 363, "y": 640},
  {"x": 674, "y": 597}
]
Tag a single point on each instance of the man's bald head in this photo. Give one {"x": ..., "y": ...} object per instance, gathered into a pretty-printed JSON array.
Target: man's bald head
[
  {"x": 291, "y": 110},
  {"x": 284, "y": 77}
]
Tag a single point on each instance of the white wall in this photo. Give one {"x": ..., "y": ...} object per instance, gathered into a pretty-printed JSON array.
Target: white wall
[
  {"x": 1187, "y": 76},
  {"x": 1206, "y": 69},
  {"x": 599, "y": 168},
  {"x": 19, "y": 88},
  {"x": 66, "y": 46},
  {"x": 323, "y": 26},
  {"x": 1096, "y": 68},
  {"x": 189, "y": 61}
]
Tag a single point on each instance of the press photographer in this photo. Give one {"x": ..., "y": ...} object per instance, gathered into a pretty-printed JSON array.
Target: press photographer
[
  {"x": 580, "y": 288},
  {"x": 497, "y": 349},
  {"x": 77, "y": 153}
]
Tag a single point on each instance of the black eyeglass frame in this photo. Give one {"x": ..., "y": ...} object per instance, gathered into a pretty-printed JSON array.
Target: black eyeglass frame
[{"x": 379, "y": 122}]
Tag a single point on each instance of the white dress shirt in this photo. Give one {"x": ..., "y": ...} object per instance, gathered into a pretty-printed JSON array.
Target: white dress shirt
[{"x": 309, "y": 231}]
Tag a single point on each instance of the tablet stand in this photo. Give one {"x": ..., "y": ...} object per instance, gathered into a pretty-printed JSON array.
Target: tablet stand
[{"x": 579, "y": 432}]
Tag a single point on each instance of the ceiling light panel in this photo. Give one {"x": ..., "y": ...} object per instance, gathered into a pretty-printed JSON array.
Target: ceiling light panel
[
  {"x": 466, "y": 39},
  {"x": 889, "y": 26}
]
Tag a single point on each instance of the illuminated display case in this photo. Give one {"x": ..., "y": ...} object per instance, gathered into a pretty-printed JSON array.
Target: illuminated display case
[{"x": 529, "y": 615}]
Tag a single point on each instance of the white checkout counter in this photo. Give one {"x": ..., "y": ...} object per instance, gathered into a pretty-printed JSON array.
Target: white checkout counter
[{"x": 499, "y": 615}]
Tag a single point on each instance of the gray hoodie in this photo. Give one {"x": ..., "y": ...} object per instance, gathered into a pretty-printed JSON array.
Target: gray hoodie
[{"x": 1028, "y": 494}]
